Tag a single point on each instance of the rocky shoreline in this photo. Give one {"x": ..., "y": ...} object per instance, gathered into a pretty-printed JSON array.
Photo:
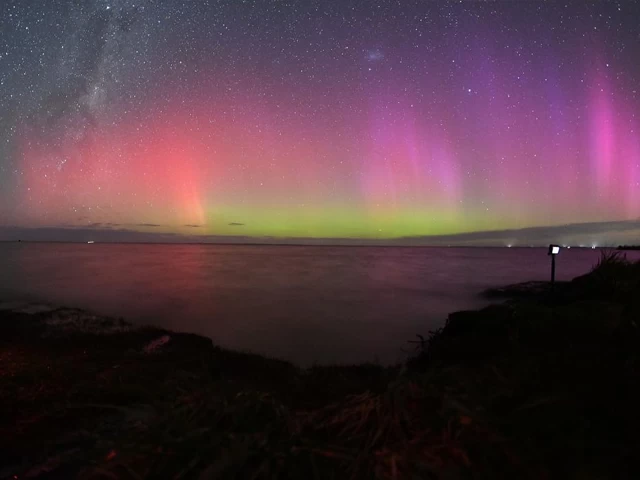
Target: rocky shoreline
[{"x": 541, "y": 386}]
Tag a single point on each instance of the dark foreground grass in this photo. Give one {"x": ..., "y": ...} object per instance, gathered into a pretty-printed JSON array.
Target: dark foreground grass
[{"x": 542, "y": 387}]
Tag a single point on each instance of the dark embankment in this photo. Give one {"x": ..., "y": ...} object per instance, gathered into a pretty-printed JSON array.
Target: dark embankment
[
  {"x": 629, "y": 247},
  {"x": 542, "y": 386}
]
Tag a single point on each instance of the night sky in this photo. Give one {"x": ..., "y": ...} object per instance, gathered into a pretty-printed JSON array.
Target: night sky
[{"x": 325, "y": 119}]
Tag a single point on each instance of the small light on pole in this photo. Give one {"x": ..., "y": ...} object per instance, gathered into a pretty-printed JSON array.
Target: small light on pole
[{"x": 553, "y": 251}]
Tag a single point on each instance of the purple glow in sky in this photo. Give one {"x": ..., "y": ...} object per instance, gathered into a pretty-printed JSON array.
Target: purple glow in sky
[{"x": 325, "y": 120}]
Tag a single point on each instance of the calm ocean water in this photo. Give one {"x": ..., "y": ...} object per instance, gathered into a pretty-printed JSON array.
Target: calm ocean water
[{"x": 304, "y": 304}]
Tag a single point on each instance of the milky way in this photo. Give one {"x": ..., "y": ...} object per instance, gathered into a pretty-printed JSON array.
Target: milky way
[{"x": 318, "y": 118}]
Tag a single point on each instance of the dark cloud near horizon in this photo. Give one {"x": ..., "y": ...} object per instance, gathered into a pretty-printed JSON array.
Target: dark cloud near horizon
[
  {"x": 102, "y": 225},
  {"x": 236, "y": 224},
  {"x": 573, "y": 234},
  {"x": 90, "y": 225},
  {"x": 588, "y": 234},
  {"x": 119, "y": 235},
  {"x": 105, "y": 225},
  {"x": 193, "y": 226}
]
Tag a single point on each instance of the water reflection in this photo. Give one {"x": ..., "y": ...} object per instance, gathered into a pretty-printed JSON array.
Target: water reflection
[{"x": 305, "y": 304}]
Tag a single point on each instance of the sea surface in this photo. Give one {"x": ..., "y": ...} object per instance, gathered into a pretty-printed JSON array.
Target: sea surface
[{"x": 309, "y": 305}]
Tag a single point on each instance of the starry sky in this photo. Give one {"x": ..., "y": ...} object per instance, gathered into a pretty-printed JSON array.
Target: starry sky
[{"x": 319, "y": 119}]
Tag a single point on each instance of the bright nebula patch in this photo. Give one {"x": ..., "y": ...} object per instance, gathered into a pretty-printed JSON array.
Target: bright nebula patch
[{"x": 324, "y": 120}]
